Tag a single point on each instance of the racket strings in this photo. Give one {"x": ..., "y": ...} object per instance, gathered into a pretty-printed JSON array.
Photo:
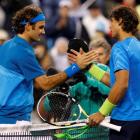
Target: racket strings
[{"x": 61, "y": 108}]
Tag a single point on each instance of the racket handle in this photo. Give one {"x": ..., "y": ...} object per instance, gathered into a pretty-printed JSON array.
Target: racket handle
[
  {"x": 111, "y": 126},
  {"x": 105, "y": 123}
]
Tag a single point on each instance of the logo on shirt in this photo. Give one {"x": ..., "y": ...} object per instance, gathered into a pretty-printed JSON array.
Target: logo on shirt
[{"x": 73, "y": 68}]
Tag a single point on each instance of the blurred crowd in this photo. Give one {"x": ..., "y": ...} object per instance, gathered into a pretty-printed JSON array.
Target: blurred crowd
[{"x": 66, "y": 19}]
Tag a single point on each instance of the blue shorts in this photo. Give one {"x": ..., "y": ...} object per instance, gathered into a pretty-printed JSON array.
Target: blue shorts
[{"x": 130, "y": 130}]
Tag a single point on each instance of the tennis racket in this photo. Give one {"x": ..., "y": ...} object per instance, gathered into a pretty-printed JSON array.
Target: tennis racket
[
  {"x": 60, "y": 109},
  {"x": 57, "y": 108}
]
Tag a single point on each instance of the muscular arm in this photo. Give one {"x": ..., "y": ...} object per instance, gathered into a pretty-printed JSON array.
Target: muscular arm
[
  {"x": 119, "y": 89},
  {"x": 115, "y": 96},
  {"x": 48, "y": 82}
]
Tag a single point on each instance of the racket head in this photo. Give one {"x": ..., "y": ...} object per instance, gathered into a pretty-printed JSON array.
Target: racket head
[
  {"x": 55, "y": 107},
  {"x": 76, "y": 44}
]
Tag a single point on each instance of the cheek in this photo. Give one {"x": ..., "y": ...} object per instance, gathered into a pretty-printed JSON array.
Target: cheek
[
  {"x": 112, "y": 28},
  {"x": 33, "y": 32},
  {"x": 102, "y": 57}
]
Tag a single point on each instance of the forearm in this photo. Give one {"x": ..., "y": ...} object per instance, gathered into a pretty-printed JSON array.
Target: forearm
[
  {"x": 49, "y": 82},
  {"x": 115, "y": 96},
  {"x": 117, "y": 93},
  {"x": 100, "y": 74}
]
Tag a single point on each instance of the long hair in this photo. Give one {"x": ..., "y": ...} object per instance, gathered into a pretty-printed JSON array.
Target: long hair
[
  {"x": 128, "y": 16},
  {"x": 25, "y": 14}
]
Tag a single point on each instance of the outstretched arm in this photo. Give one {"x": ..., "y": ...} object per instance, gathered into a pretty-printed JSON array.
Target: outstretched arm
[{"x": 82, "y": 60}]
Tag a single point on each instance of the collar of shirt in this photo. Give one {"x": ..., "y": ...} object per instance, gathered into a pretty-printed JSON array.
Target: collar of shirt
[{"x": 22, "y": 41}]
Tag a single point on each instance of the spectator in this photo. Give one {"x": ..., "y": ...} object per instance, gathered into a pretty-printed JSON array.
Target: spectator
[
  {"x": 76, "y": 9},
  {"x": 94, "y": 17},
  {"x": 61, "y": 24},
  {"x": 102, "y": 47},
  {"x": 49, "y": 7},
  {"x": 130, "y": 3},
  {"x": 90, "y": 93},
  {"x": 2, "y": 17},
  {"x": 3, "y": 36},
  {"x": 58, "y": 54},
  {"x": 10, "y": 7}
]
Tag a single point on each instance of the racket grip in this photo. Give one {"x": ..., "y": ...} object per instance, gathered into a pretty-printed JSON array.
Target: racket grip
[
  {"x": 111, "y": 126},
  {"x": 106, "y": 124}
]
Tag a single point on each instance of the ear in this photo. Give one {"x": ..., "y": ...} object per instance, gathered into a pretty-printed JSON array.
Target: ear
[
  {"x": 28, "y": 27},
  {"x": 120, "y": 22}
]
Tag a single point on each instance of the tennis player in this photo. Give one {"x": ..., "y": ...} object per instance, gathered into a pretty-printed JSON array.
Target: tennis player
[
  {"x": 123, "y": 101},
  {"x": 19, "y": 67}
]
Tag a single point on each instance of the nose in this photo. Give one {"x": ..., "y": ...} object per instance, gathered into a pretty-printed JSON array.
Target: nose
[{"x": 43, "y": 32}]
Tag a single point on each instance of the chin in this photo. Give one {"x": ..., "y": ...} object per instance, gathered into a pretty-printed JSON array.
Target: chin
[
  {"x": 114, "y": 35},
  {"x": 37, "y": 39}
]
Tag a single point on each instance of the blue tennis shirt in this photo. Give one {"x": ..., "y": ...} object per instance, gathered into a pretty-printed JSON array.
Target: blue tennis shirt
[
  {"x": 125, "y": 55},
  {"x": 18, "y": 68}
]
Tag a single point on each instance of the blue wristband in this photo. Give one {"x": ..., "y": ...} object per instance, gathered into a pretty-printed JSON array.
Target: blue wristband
[{"x": 71, "y": 70}]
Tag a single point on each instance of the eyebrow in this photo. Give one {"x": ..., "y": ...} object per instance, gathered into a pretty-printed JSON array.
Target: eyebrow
[{"x": 42, "y": 26}]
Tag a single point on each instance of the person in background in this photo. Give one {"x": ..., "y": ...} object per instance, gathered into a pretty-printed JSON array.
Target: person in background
[
  {"x": 2, "y": 17},
  {"x": 61, "y": 25},
  {"x": 76, "y": 9},
  {"x": 10, "y": 7},
  {"x": 43, "y": 56},
  {"x": 40, "y": 51},
  {"x": 87, "y": 87},
  {"x": 102, "y": 47},
  {"x": 3, "y": 36},
  {"x": 93, "y": 18},
  {"x": 59, "y": 54},
  {"x": 130, "y": 3}
]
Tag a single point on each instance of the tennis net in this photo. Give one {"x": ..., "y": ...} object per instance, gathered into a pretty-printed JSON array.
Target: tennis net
[{"x": 28, "y": 131}]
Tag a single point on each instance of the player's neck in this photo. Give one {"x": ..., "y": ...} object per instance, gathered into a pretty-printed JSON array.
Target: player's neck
[
  {"x": 25, "y": 37},
  {"x": 124, "y": 35}
]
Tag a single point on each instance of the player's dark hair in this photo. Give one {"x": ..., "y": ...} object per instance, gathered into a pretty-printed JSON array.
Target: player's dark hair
[
  {"x": 25, "y": 14},
  {"x": 128, "y": 16}
]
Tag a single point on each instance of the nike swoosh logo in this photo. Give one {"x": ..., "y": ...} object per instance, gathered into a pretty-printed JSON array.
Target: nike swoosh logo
[{"x": 74, "y": 67}]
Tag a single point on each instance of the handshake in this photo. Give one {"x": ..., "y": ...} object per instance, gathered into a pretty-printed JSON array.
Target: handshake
[{"x": 82, "y": 59}]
